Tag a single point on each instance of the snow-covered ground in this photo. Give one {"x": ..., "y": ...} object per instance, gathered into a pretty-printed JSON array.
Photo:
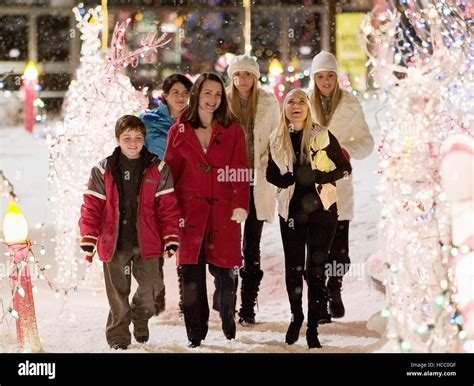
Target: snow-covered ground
[{"x": 78, "y": 323}]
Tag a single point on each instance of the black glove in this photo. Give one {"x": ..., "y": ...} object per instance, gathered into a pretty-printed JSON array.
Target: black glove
[
  {"x": 170, "y": 250},
  {"x": 286, "y": 180},
  {"x": 322, "y": 177}
]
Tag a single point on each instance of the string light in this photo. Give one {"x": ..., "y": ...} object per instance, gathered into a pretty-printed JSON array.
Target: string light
[
  {"x": 419, "y": 57},
  {"x": 99, "y": 95}
]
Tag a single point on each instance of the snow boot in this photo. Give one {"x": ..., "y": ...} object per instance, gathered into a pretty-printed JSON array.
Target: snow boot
[
  {"x": 141, "y": 334},
  {"x": 248, "y": 294},
  {"x": 119, "y": 346},
  {"x": 224, "y": 298},
  {"x": 193, "y": 343},
  {"x": 294, "y": 328},
  {"x": 228, "y": 326},
  {"x": 336, "y": 306},
  {"x": 312, "y": 338},
  {"x": 325, "y": 316}
]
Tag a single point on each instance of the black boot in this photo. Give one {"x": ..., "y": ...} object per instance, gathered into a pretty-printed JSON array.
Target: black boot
[
  {"x": 312, "y": 338},
  {"x": 294, "y": 328},
  {"x": 224, "y": 298},
  {"x": 248, "y": 295},
  {"x": 194, "y": 343},
  {"x": 315, "y": 303},
  {"x": 228, "y": 325},
  {"x": 336, "y": 306},
  {"x": 325, "y": 316}
]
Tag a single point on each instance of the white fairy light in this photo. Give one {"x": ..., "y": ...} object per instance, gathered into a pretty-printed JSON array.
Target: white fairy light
[
  {"x": 99, "y": 96},
  {"x": 431, "y": 98}
]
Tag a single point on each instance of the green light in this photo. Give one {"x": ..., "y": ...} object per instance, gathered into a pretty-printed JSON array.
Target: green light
[
  {"x": 406, "y": 346},
  {"x": 439, "y": 301}
]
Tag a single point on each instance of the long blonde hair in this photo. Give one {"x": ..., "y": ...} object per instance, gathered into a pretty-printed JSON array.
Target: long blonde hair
[
  {"x": 246, "y": 114},
  {"x": 336, "y": 95},
  {"x": 283, "y": 130}
]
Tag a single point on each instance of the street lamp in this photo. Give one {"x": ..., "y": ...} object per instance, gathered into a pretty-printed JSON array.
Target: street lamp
[
  {"x": 15, "y": 230},
  {"x": 247, "y": 27},
  {"x": 30, "y": 81},
  {"x": 105, "y": 23}
]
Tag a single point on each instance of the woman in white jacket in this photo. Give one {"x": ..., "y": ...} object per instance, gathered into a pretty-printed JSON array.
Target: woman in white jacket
[
  {"x": 342, "y": 114},
  {"x": 258, "y": 113}
]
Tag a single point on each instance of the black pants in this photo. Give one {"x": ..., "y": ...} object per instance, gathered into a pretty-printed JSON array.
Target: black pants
[
  {"x": 338, "y": 260},
  {"x": 306, "y": 247},
  {"x": 251, "y": 238},
  {"x": 195, "y": 303}
]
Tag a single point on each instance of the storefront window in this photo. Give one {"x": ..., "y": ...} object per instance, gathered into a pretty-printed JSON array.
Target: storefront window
[
  {"x": 13, "y": 37},
  {"x": 53, "y": 38},
  {"x": 304, "y": 34}
]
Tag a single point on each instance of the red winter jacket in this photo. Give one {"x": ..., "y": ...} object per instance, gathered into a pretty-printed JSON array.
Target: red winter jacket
[
  {"x": 209, "y": 186},
  {"x": 157, "y": 212}
]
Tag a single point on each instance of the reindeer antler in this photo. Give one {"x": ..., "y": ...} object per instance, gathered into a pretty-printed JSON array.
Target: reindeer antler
[{"x": 119, "y": 58}]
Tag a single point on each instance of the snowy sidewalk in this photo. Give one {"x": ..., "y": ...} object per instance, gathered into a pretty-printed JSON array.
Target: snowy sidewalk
[{"x": 78, "y": 324}]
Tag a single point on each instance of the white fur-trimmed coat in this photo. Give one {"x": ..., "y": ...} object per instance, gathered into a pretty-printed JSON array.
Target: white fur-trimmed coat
[
  {"x": 267, "y": 118},
  {"x": 350, "y": 128}
]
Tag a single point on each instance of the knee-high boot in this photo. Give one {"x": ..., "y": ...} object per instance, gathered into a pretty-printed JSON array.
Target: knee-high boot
[
  {"x": 224, "y": 281},
  {"x": 315, "y": 301},
  {"x": 248, "y": 294},
  {"x": 294, "y": 287},
  {"x": 336, "y": 305}
]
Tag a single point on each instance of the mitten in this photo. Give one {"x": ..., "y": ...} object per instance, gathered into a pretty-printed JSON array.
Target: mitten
[
  {"x": 239, "y": 215},
  {"x": 287, "y": 180},
  {"x": 322, "y": 177},
  {"x": 88, "y": 244},
  {"x": 171, "y": 246}
]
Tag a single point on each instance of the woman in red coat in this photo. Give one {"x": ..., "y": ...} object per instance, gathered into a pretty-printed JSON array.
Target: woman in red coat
[{"x": 207, "y": 155}]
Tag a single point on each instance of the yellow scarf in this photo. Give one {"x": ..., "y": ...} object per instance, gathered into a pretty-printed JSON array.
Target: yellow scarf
[{"x": 319, "y": 158}]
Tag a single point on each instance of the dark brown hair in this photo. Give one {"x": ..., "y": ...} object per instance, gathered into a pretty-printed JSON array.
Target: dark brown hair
[
  {"x": 222, "y": 115},
  {"x": 129, "y": 122},
  {"x": 171, "y": 80}
]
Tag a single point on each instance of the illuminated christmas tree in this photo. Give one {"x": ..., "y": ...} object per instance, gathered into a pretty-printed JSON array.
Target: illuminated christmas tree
[
  {"x": 97, "y": 98},
  {"x": 420, "y": 56}
]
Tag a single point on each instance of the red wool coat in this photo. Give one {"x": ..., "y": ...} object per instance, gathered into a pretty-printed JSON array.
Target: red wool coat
[{"x": 209, "y": 186}]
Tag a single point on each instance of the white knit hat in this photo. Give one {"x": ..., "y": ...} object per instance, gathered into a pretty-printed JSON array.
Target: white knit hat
[
  {"x": 324, "y": 61},
  {"x": 243, "y": 63}
]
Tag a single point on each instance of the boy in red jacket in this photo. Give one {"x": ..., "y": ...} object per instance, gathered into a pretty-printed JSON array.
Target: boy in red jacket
[{"x": 130, "y": 213}]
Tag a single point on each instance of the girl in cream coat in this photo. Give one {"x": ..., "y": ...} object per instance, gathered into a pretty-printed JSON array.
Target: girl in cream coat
[
  {"x": 342, "y": 114},
  {"x": 258, "y": 112}
]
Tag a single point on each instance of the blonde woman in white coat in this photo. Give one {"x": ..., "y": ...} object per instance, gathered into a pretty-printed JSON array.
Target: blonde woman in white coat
[
  {"x": 342, "y": 114},
  {"x": 258, "y": 113}
]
